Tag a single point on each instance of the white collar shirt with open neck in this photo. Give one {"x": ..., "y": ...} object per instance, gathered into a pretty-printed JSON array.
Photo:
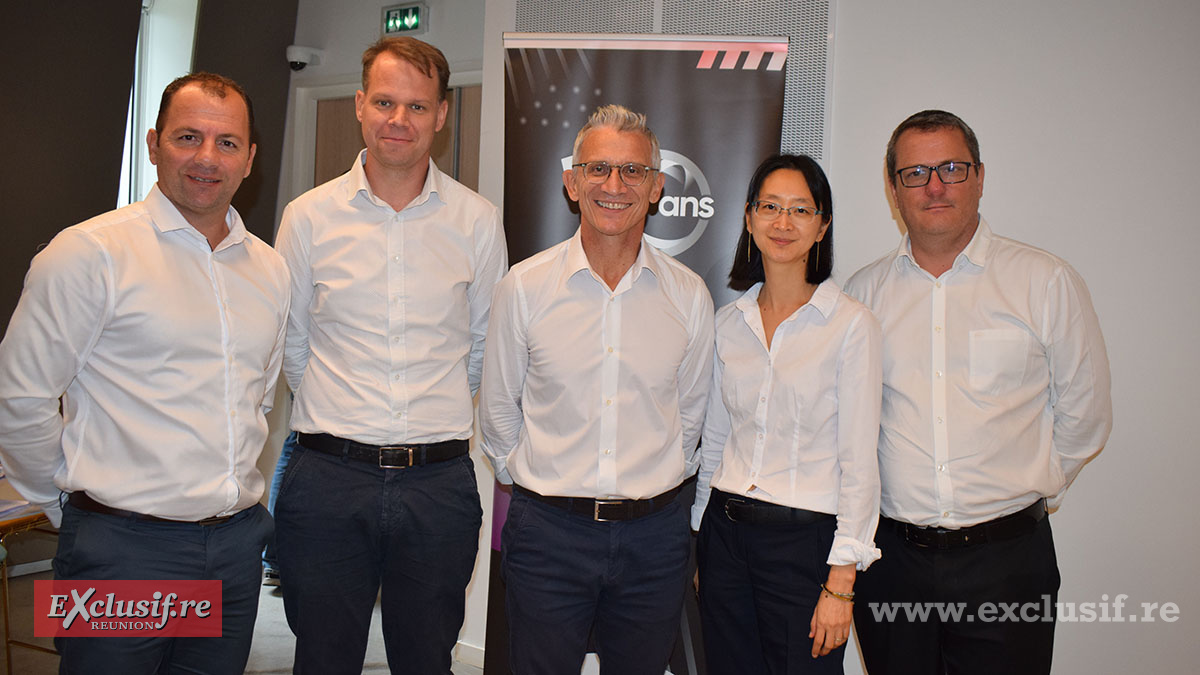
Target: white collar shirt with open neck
[
  {"x": 797, "y": 424},
  {"x": 596, "y": 392},
  {"x": 389, "y": 308},
  {"x": 166, "y": 354},
  {"x": 996, "y": 384}
]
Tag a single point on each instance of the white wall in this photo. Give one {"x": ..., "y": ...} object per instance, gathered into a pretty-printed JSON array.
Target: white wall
[{"x": 1106, "y": 90}]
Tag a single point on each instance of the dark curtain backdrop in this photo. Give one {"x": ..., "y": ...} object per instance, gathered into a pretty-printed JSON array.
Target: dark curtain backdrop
[
  {"x": 247, "y": 42},
  {"x": 66, "y": 69}
]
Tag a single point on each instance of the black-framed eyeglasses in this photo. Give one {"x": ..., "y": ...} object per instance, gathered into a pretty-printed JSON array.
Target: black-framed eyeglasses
[
  {"x": 770, "y": 210},
  {"x": 948, "y": 172},
  {"x": 631, "y": 174}
]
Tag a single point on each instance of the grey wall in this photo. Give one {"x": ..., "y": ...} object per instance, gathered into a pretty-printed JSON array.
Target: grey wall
[{"x": 1086, "y": 117}]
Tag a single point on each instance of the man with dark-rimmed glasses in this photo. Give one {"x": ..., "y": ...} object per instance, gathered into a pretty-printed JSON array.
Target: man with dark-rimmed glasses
[
  {"x": 996, "y": 393},
  {"x": 595, "y": 376}
]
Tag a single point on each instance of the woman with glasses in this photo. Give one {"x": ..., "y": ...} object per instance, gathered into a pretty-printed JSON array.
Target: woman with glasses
[{"x": 788, "y": 493}]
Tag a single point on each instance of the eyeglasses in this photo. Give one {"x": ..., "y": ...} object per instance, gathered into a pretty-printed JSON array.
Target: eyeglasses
[
  {"x": 949, "y": 173},
  {"x": 631, "y": 174},
  {"x": 771, "y": 210}
]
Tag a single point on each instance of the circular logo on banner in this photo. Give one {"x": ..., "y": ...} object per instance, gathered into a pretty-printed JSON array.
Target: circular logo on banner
[
  {"x": 685, "y": 208},
  {"x": 687, "y": 202}
]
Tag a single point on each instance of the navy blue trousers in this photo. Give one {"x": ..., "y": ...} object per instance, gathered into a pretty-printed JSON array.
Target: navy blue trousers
[
  {"x": 346, "y": 529},
  {"x": 759, "y": 585},
  {"x": 566, "y": 574},
  {"x": 285, "y": 455},
  {"x": 1023, "y": 570},
  {"x": 104, "y": 547}
]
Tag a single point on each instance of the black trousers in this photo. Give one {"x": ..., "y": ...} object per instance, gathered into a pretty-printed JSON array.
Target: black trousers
[
  {"x": 759, "y": 585},
  {"x": 977, "y": 610}
]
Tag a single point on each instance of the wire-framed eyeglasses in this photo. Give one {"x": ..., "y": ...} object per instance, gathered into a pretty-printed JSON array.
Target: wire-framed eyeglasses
[
  {"x": 631, "y": 174},
  {"x": 797, "y": 214}
]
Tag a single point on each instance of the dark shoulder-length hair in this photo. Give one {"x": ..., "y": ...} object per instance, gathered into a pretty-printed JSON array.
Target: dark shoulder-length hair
[{"x": 747, "y": 267}]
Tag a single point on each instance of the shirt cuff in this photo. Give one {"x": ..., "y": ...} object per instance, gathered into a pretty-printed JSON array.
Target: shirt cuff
[
  {"x": 502, "y": 475},
  {"x": 697, "y": 515},
  {"x": 850, "y": 551}
]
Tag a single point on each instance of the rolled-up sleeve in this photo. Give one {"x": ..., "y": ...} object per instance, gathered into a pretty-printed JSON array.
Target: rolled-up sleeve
[{"x": 859, "y": 396}]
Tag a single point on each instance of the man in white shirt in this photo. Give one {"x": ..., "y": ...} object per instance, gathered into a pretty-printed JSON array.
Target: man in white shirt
[
  {"x": 597, "y": 368},
  {"x": 160, "y": 325},
  {"x": 996, "y": 393},
  {"x": 393, "y": 265}
]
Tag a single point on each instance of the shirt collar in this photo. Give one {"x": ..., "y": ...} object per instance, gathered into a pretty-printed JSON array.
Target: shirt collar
[
  {"x": 576, "y": 261},
  {"x": 166, "y": 218},
  {"x": 357, "y": 184},
  {"x": 975, "y": 251},
  {"x": 824, "y": 299}
]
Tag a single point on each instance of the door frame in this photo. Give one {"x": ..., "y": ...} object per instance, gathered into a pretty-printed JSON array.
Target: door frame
[{"x": 304, "y": 124}]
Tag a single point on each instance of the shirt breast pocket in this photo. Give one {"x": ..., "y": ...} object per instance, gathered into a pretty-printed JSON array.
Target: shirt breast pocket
[{"x": 999, "y": 358}]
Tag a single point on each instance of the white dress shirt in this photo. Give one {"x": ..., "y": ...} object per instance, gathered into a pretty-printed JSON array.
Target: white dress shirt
[
  {"x": 996, "y": 388},
  {"x": 797, "y": 424},
  {"x": 592, "y": 392},
  {"x": 165, "y": 354},
  {"x": 389, "y": 308}
]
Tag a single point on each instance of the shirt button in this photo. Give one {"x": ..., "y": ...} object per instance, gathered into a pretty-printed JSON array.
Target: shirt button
[
  {"x": 396, "y": 258},
  {"x": 939, "y": 420},
  {"x": 396, "y": 377},
  {"x": 938, "y": 373},
  {"x": 941, "y": 467},
  {"x": 945, "y": 514},
  {"x": 610, "y": 349},
  {"x": 399, "y": 414},
  {"x": 938, "y": 284},
  {"x": 937, "y": 329},
  {"x": 762, "y": 399},
  {"x": 396, "y": 338},
  {"x": 608, "y": 451},
  {"x": 608, "y": 402}
]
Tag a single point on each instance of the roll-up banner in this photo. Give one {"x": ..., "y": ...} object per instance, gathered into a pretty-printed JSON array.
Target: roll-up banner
[{"x": 716, "y": 105}]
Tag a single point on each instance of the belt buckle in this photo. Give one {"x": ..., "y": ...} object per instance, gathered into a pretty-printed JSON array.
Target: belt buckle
[
  {"x": 395, "y": 448},
  {"x": 732, "y": 501},
  {"x": 597, "y": 503}
]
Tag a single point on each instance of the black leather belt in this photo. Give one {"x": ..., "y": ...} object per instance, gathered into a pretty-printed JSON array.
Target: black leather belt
[
  {"x": 84, "y": 502},
  {"x": 606, "y": 510},
  {"x": 742, "y": 509},
  {"x": 387, "y": 456},
  {"x": 1005, "y": 527}
]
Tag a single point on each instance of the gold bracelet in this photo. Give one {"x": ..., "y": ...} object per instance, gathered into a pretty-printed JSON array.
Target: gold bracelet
[{"x": 848, "y": 597}]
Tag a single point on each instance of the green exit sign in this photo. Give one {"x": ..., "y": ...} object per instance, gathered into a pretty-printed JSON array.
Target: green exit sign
[{"x": 411, "y": 19}]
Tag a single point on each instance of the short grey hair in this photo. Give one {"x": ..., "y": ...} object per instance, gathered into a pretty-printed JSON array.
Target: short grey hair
[{"x": 618, "y": 118}]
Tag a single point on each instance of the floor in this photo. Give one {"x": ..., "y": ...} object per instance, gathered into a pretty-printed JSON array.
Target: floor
[{"x": 271, "y": 652}]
